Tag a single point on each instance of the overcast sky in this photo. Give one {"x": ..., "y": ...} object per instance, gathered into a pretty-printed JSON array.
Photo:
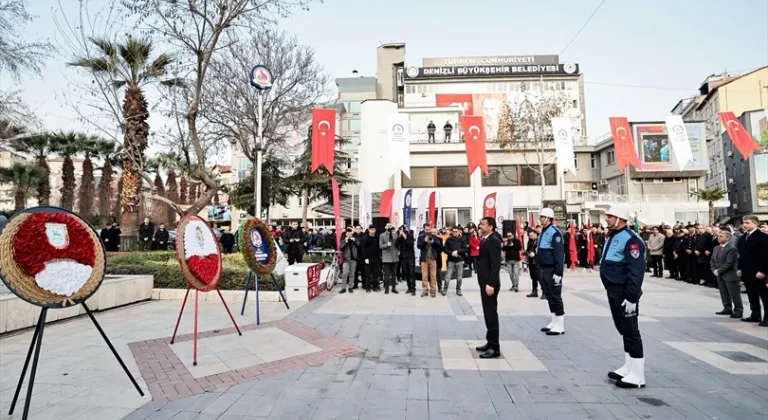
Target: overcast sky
[{"x": 638, "y": 57}]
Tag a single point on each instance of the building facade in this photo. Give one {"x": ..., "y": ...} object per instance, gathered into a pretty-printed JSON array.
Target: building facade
[
  {"x": 747, "y": 180},
  {"x": 7, "y": 159},
  {"x": 720, "y": 93}
]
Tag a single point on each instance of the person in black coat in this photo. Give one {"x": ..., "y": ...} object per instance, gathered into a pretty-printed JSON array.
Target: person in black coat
[
  {"x": 162, "y": 236},
  {"x": 703, "y": 250},
  {"x": 753, "y": 269},
  {"x": 227, "y": 241},
  {"x": 488, "y": 269},
  {"x": 146, "y": 234},
  {"x": 668, "y": 251},
  {"x": 111, "y": 238},
  {"x": 296, "y": 241},
  {"x": 533, "y": 266},
  {"x": 404, "y": 243},
  {"x": 372, "y": 259}
]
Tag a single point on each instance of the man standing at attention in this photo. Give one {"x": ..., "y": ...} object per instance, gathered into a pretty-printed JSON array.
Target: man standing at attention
[
  {"x": 622, "y": 274},
  {"x": 488, "y": 267},
  {"x": 551, "y": 256}
]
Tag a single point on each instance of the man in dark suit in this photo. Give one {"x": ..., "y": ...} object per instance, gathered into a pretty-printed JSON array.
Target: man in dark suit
[
  {"x": 488, "y": 267},
  {"x": 723, "y": 266},
  {"x": 753, "y": 268}
]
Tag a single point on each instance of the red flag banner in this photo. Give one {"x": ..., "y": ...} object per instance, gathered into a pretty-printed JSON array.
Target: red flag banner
[
  {"x": 323, "y": 138},
  {"x": 590, "y": 244},
  {"x": 431, "y": 214},
  {"x": 741, "y": 139},
  {"x": 474, "y": 139},
  {"x": 385, "y": 205},
  {"x": 337, "y": 214},
  {"x": 532, "y": 222},
  {"x": 489, "y": 205},
  {"x": 572, "y": 245},
  {"x": 626, "y": 154}
]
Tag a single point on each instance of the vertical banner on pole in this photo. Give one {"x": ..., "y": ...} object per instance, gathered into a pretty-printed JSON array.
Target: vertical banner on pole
[
  {"x": 431, "y": 209},
  {"x": 572, "y": 245},
  {"x": 407, "y": 208},
  {"x": 337, "y": 213},
  {"x": 398, "y": 144},
  {"x": 396, "y": 209},
  {"x": 489, "y": 205},
  {"x": 323, "y": 138},
  {"x": 439, "y": 209},
  {"x": 678, "y": 139},
  {"x": 385, "y": 205},
  {"x": 561, "y": 129},
  {"x": 474, "y": 141}
]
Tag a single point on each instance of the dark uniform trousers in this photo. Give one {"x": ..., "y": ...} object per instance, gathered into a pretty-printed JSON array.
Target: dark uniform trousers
[
  {"x": 407, "y": 270},
  {"x": 535, "y": 276},
  {"x": 491, "y": 315},
  {"x": 552, "y": 291},
  {"x": 625, "y": 325}
]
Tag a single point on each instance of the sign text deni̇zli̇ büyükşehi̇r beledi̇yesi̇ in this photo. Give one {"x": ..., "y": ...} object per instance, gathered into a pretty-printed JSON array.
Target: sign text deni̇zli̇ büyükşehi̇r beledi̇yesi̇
[{"x": 468, "y": 71}]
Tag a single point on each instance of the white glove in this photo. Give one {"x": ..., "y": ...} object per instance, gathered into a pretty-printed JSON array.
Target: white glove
[
  {"x": 557, "y": 278},
  {"x": 630, "y": 308}
]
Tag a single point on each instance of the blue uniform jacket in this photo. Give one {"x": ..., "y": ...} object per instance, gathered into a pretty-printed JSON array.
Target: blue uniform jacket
[
  {"x": 623, "y": 263},
  {"x": 551, "y": 251}
]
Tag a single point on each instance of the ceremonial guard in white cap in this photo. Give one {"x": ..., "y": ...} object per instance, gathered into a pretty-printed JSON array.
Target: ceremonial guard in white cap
[
  {"x": 551, "y": 260},
  {"x": 622, "y": 270}
]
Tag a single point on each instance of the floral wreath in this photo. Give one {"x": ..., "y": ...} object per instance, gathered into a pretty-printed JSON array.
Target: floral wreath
[
  {"x": 246, "y": 248},
  {"x": 51, "y": 257},
  {"x": 198, "y": 253}
]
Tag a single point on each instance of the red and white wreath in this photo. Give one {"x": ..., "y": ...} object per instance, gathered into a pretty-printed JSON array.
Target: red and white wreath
[
  {"x": 201, "y": 251},
  {"x": 56, "y": 250}
]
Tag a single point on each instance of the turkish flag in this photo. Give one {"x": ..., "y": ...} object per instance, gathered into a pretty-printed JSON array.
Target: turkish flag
[
  {"x": 519, "y": 235},
  {"x": 431, "y": 213},
  {"x": 739, "y": 136},
  {"x": 337, "y": 214},
  {"x": 385, "y": 204},
  {"x": 450, "y": 99},
  {"x": 626, "y": 154},
  {"x": 474, "y": 139},
  {"x": 532, "y": 222},
  {"x": 572, "y": 245},
  {"x": 590, "y": 244},
  {"x": 323, "y": 138},
  {"x": 489, "y": 205}
]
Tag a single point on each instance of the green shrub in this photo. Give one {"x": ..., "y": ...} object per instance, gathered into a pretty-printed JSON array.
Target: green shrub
[{"x": 167, "y": 273}]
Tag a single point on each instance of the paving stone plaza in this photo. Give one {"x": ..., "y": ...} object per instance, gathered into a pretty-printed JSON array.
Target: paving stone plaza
[{"x": 376, "y": 356}]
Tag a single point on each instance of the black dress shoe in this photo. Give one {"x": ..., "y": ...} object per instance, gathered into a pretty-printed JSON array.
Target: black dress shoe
[
  {"x": 736, "y": 316},
  {"x": 764, "y": 323},
  {"x": 490, "y": 354},
  {"x": 484, "y": 347},
  {"x": 615, "y": 376},
  {"x": 751, "y": 319},
  {"x": 724, "y": 312}
]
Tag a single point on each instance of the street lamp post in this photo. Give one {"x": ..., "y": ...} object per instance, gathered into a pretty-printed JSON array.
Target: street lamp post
[{"x": 260, "y": 78}]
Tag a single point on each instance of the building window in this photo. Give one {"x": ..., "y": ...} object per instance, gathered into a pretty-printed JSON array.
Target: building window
[
  {"x": 420, "y": 178},
  {"x": 575, "y": 104},
  {"x": 354, "y": 107},
  {"x": 576, "y": 162},
  {"x": 353, "y": 125},
  {"x": 453, "y": 176},
  {"x": 610, "y": 157},
  {"x": 501, "y": 176},
  {"x": 530, "y": 176},
  {"x": 592, "y": 160},
  {"x": 244, "y": 167}
]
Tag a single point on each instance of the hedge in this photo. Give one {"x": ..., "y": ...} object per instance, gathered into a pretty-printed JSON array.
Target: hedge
[{"x": 165, "y": 269}]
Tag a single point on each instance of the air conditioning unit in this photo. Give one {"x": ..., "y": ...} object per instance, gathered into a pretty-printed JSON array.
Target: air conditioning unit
[{"x": 603, "y": 182}]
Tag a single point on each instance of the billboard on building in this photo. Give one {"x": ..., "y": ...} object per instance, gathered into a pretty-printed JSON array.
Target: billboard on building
[
  {"x": 761, "y": 178},
  {"x": 464, "y": 72},
  {"x": 655, "y": 151}
]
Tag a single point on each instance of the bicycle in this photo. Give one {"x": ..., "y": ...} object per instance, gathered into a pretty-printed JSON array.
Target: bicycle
[{"x": 333, "y": 275}]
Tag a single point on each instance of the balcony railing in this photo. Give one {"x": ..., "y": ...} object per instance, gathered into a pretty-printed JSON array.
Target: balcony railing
[
  {"x": 456, "y": 138},
  {"x": 580, "y": 197}
]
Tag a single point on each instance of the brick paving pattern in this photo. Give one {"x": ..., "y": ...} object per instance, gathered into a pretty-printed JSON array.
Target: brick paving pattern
[{"x": 168, "y": 379}]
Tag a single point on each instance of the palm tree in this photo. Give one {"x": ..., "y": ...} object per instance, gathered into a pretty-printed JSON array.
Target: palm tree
[
  {"x": 110, "y": 153},
  {"x": 170, "y": 162},
  {"x": 183, "y": 187},
  {"x": 67, "y": 145},
  {"x": 38, "y": 146},
  {"x": 317, "y": 185},
  {"x": 90, "y": 148},
  {"x": 710, "y": 196},
  {"x": 130, "y": 66},
  {"x": 9, "y": 130},
  {"x": 24, "y": 178},
  {"x": 159, "y": 213}
]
